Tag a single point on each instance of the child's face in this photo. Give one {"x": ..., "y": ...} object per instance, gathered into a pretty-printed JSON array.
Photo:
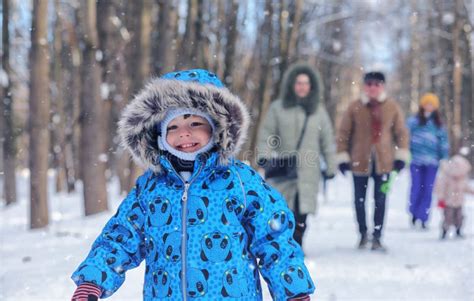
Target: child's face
[{"x": 188, "y": 133}]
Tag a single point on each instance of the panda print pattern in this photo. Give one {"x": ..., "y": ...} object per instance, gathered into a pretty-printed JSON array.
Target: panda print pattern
[
  {"x": 270, "y": 255},
  {"x": 159, "y": 212},
  {"x": 93, "y": 274},
  {"x": 197, "y": 210},
  {"x": 197, "y": 282},
  {"x": 294, "y": 280},
  {"x": 172, "y": 246},
  {"x": 219, "y": 180},
  {"x": 216, "y": 247},
  {"x": 232, "y": 210},
  {"x": 161, "y": 287},
  {"x": 135, "y": 216},
  {"x": 231, "y": 226},
  {"x": 234, "y": 284}
]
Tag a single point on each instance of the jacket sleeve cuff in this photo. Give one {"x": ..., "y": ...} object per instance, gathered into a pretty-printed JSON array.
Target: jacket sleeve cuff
[
  {"x": 342, "y": 157},
  {"x": 90, "y": 274},
  {"x": 402, "y": 154}
]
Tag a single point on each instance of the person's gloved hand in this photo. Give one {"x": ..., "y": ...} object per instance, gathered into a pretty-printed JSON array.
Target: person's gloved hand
[
  {"x": 441, "y": 204},
  {"x": 398, "y": 165},
  {"x": 343, "y": 167},
  {"x": 327, "y": 176},
  {"x": 261, "y": 162},
  {"x": 330, "y": 177},
  {"x": 302, "y": 298},
  {"x": 86, "y": 292}
]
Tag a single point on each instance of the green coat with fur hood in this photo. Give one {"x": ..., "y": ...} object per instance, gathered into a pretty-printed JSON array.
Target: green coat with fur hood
[{"x": 281, "y": 130}]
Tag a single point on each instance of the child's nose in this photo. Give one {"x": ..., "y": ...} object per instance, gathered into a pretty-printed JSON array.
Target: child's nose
[{"x": 184, "y": 132}]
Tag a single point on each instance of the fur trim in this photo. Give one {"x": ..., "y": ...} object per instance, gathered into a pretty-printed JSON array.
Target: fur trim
[
  {"x": 365, "y": 100},
  {"x": 138, "y": 124},
  {"x": 402, "y": 154},
  {"x": 342, "y": 158}
]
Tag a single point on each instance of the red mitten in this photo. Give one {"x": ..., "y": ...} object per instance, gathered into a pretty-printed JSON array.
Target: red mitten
[
  {"x": 441, "y": 204},
  {"x": 302, "y": 298},
  {"x": 86, "y": 292}
]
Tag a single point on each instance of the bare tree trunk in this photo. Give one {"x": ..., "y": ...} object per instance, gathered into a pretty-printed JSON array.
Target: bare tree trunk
[
  {"x": 230, "y": 46},
  {"x": 164, "y": 57},
  {"x": 289, "y": 22},
  {"x": 123, "y": 158},
  {"x": 140, "y": 69},
  {"x": 457, "y": 80},
  {"x": 6, "y": 104},
  {"x": 330, "y": 69},
  {"x": 188, "y": 40},
  {"x": 415, "y": 58},
  {"x": 72, "y": 56},
  {"x": 470, "y": 111},
  {"x": 265, "y": 81},
  {"x": 432, "y": 44},
  {"x": 92, "y": 122},
  {"x": 283, "y": 33},
  {"x": 199, "y": 48},
  {"x": 218, "y": 66},
  {"x": 58, "y": 118},
  {"x": 294, "y": 31},
  {"x": 39, "y": 116},
  {"x": 122, "y": 81},
  {"x": 111, "y": 42}
]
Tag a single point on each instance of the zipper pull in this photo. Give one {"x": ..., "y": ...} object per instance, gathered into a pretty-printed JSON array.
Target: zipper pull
[{"x": 184, "y": 198}]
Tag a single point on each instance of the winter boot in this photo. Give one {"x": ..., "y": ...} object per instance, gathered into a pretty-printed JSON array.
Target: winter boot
[
  {"x": 377, "y": 245},
  {"x": 424, "y": 226},
  {"x": 413, "y": 221},
  {"x": 458, "y": 233},
  {"x": 363, "y": 241},
  {"x": 444, "y": 233}
]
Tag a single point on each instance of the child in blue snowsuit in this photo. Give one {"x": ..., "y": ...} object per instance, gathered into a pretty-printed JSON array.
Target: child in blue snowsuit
[
  {"x": 428, "y": 145},
  {"x": 206, "y": 224}
]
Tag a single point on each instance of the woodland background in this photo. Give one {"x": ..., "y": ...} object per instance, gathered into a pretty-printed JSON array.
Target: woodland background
[{"x": 69, "y": 68}]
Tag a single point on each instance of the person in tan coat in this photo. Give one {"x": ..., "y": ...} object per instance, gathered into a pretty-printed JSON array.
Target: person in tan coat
[
  {"x": 450, "y": 188},
  {"x": 372, "y": 141}
]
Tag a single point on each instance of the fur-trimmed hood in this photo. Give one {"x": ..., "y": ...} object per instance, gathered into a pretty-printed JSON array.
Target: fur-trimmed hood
[
  {"x": 138, "y": 125},
  {"x": 287, "y": 93}
]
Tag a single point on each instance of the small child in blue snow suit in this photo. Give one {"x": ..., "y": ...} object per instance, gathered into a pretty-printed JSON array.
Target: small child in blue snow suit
[{"x": 206, "y": 224}]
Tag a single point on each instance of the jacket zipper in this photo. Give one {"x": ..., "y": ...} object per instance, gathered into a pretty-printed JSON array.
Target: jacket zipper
[{"x": 184, "y": 199}]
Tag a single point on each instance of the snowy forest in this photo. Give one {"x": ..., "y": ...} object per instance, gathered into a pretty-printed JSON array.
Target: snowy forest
[{"x": 70, "y": 67}]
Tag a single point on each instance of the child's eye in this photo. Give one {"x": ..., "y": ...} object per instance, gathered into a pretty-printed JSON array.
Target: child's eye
[
  {"x": 196, "y": 123},
  {"x": 172, "y": 127}
]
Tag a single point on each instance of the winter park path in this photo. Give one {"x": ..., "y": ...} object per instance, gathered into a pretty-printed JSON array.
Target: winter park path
[{"x": 36, "y": 265}]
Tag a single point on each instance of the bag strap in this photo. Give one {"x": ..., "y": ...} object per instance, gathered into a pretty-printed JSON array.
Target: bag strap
[{"x": 302, "y": 132}]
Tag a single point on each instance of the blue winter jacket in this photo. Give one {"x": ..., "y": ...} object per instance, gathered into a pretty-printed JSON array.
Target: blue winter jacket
[
  {"x": 205, "y": 239},
  {"x": 428, "y": 143}
]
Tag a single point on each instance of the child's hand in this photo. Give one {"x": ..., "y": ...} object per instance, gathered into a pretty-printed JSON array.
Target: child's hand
[{"x": 86, "y": 292}]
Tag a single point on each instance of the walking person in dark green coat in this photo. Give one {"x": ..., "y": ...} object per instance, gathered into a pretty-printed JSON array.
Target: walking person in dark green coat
[{"x": 282, "y": 132}]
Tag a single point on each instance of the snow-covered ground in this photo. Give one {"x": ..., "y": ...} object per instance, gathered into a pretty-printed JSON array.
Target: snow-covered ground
[{"x": 36, "y": 265}]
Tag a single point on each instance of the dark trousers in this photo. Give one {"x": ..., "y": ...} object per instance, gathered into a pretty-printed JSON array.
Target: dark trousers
[
  {"x": 300, "y": 220},
  {"x": 422, "y": 181},
  {"x": 360, "y": 191},
  {"x": 452, "y": 216}
]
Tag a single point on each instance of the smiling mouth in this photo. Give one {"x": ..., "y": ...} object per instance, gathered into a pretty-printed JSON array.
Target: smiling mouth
[{"x": 187, "y": 146}]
